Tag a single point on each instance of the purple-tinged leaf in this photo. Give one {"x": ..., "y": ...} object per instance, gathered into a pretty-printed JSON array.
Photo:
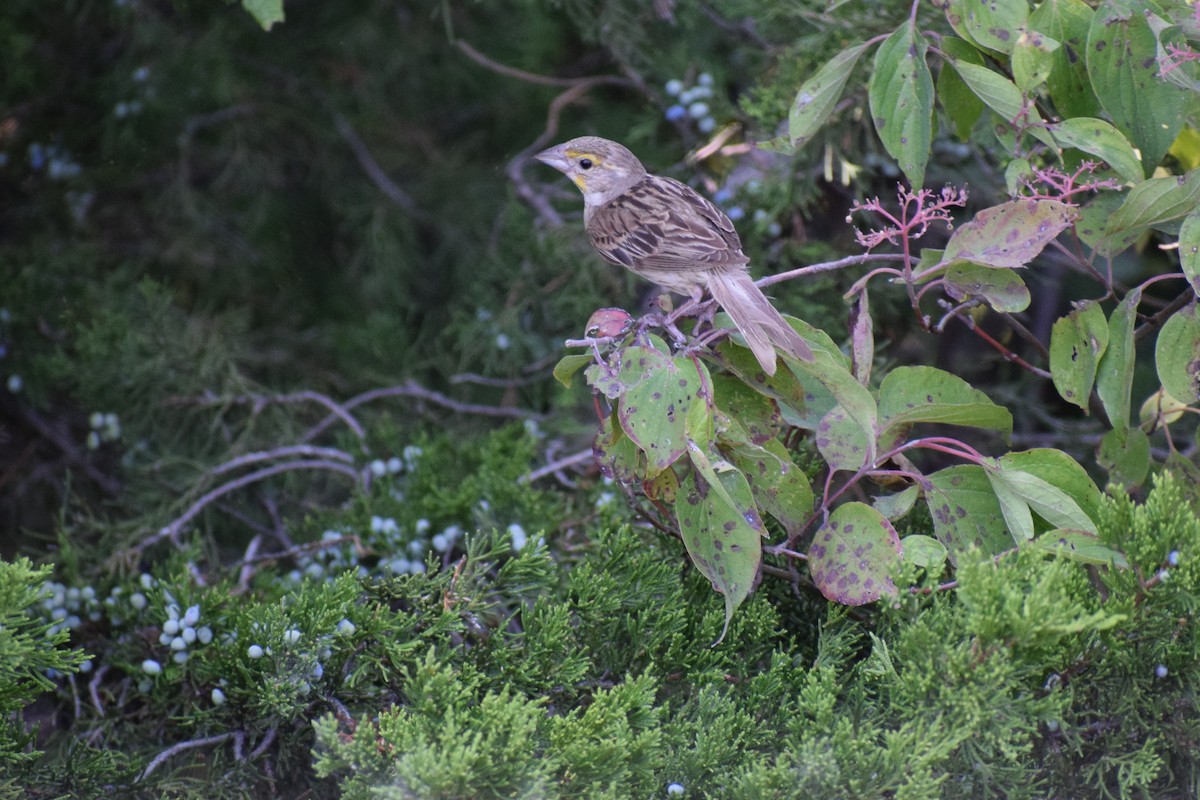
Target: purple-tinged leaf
[
  {"x": 853, "y": 554},
  {"x": 1011, "y": 234}
]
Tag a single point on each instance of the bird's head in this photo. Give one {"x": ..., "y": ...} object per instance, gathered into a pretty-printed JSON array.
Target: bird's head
[{"x": 602, "y": 169}]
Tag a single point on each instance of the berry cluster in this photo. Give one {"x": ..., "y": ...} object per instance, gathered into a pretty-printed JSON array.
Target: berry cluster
[{"x": 691, "y": 102}]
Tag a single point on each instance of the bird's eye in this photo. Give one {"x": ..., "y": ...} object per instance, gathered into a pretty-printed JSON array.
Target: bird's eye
[{"x": 585, "y": 163}]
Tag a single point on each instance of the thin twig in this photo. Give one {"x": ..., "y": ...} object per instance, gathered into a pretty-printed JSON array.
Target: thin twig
[
  {"x": 74, "y": 454},
  {"x": 1028, "y": 335},
  {"x": 513, "y": 72},
  {"x": 367, "y": 161},
  {"x": 75, "y": 696},
  {"x": 264, "y": 744},
  {"x": 554, "y": 466},
  {"x": 259, "y": 401},
  {"x": 1005, "y": 353},
  {"x": 179, "y": 748},
  {"x": 246, "y": 572},
  {"x": 172, "y": 530},
  {"x": 304, "y": 548},
  {"x": 342, "y": 714},
  {"x": 828, "y": 266},
  {"x": 94, "y": 688},
  {"x": 575, "y": 87},
  {"x": 413, "y": 389},
  {"x": 341, "y": 412},
  {"x": 496, "y": 383},
  {"x": 282, "y": 452},
  {"x": 1153, "y": 323}
]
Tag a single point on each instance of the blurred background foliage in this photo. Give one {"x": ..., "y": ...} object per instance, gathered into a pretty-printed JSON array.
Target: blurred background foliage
[{"x": 192, "y": 207}]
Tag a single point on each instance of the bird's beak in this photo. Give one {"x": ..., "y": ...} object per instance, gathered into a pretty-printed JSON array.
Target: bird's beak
[{"x": 554, "y": 157}]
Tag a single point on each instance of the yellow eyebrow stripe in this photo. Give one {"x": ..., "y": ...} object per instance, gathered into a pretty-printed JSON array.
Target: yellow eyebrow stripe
[{"x": 582, "y": 154}]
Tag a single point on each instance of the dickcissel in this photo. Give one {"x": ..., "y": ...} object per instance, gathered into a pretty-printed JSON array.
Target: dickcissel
[{"x": 664, "y": 231}]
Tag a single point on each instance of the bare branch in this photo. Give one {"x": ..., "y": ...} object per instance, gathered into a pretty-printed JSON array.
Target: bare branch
[
  {"x": 412, "y": 389},
  {"x": 827, "y": 266},
  {"x": 581, "y": 457},
  {"x": 173, "y": 750},
  {"x": 74, "y": 453},
  {"x": 376, "y": 173},
  {"x": 172, "y": 530},
  {"x": 282, "y": 452},
  {"x": 513, "y": 72}
]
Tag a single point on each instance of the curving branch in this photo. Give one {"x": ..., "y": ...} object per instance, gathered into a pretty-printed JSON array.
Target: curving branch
[{"x": 171, "y": 531}]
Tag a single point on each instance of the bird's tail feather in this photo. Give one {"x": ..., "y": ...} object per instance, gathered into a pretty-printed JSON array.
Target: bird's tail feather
[{"x": 752, "y": 313}]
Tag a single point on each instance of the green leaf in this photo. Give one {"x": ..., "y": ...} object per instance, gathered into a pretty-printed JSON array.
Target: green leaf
[
  {"x": 901, "y": 98},
  {"x": 626, "y": 368},
  {"x": 779, "y": 487},
  {"x": 1125, "y": 454},
  {"x": 709, "y": 468},
  {"x": 653, "y": 412},
  {"x": 618, "y": 458},
  {"x": 265, "y": 12},
  {"x": 1170, "y": 38},
  {"x": 567, "y": 366},
  {"x": 756, "y": 413},
  {"x": 1189, "y": 249},
  {"x": 847, "y": 430},
  {"x": 843, "y": 442},
  {"x": 862, "y": 338},
  {"x": 1017, "y": 173},
  {"x": 1060, "y": 470},
  {"x": 1102, "y": 140},
  {"x": 722, "y": 533},
  {"x": 818, "y": 95},
  {"x": 1177, "y": 355},
  {"x": 1115, "y": 369},
  {"x": 853, "y": 554},
  {"x": 956, "y": 100},
  {"x": 997, "y": 92},
  {"x": 1122, "y": 66},
  {"x": 1011, "y": 234},
  {"x": 1017, "y": 514},
  {"x": 1044, "y": 498},
  {"x": 800, "y": 405},
  {"x": 1093, "y": 220},
  {"x": 1077, "y": 341},
  {"x": 1032, "y": 59},
  {"x": 1080, "y": 546},
  {"x": 663, "y": 487},
  {"x": 993, "y": 24},
  {"x": 1151, "y": 202},
  {"x": 909, "y": 395},
  {"x": 965, "y": 511},
  {"x": 1067, "y": 22},
  {"x": 1002, "y": 289},
  {"x": 924, "y": 551},
  {"x": 895, "y": 506}
]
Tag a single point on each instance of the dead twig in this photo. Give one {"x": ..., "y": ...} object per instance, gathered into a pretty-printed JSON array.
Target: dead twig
[
  {"x": 827, "y": 266},
  {"x": 581, "y": 457},
  {"x": 171, "y": 531},
  {"x": 176, "y": 749},
  {"x": 414, "y": 390},
  {"x": 369, "y": 165},
  {"x": 282, "y": 452}
]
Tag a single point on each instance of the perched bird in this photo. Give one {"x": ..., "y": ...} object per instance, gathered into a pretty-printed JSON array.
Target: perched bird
[{"x": 664, "y": 231}]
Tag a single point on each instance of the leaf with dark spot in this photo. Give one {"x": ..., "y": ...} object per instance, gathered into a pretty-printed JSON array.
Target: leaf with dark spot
[{"x": 853, "y": 554}]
